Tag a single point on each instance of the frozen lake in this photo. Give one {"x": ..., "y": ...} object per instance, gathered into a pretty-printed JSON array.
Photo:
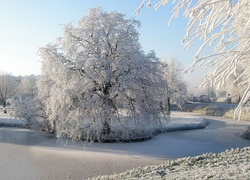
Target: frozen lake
[{"x": 31, "y": 155}]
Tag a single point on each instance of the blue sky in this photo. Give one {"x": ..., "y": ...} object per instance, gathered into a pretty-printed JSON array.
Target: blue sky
[{"x": 29, "y": 24}]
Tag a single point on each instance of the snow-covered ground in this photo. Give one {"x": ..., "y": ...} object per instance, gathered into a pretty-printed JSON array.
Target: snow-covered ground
[
  {"x": 231, "y": 164},
  {"x": 26, "y": 154}
]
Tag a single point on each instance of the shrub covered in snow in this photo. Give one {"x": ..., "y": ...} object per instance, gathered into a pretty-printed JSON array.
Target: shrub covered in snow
[{"x": 30, "y": 111}]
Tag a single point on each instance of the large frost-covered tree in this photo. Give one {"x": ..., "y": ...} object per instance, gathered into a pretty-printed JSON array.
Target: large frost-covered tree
[
  {"x": 97, "y": 83},
  {"x": 225, "y": 25}
]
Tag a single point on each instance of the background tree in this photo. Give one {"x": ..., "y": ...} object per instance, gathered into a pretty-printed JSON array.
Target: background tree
[
  {"x": 27, "y": 86},
  {"x": 224, "y": 24},
  {"x": 97, "y": 83},
  {"x": 7, "y": 87},
  {"x": 232, "y": 87},
  {"x": 209, "y": 93},
  {"x": 177, "y": 87}
]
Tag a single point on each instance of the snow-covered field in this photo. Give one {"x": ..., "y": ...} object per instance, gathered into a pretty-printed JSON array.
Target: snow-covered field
[
  {"x": 231, "y": 164},
  {"x": 34, "y": 155}
]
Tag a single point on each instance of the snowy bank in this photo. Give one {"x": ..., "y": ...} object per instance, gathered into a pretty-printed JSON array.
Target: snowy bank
[
  {"x": 7, "y": 121},
  {"x": 177, "y": 122},
  {"x": 216, "y": 109},
  {"x": 230, "y": 164}
]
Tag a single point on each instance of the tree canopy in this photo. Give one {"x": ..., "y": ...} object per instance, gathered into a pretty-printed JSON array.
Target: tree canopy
[
  {"x": 7, "y": 87},
  {"x": 98, "y": 84}
]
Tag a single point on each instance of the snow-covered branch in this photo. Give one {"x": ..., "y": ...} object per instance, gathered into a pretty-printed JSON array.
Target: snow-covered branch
[{"x": 222, "y": 24}]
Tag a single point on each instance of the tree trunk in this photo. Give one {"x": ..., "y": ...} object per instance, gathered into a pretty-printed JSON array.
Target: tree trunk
[
  {"x": 168, "y": 106},
  {"x": 239, "y": 97},
  {"x": 4, "y": 106},
  {"x": 106, "y": 128}
]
